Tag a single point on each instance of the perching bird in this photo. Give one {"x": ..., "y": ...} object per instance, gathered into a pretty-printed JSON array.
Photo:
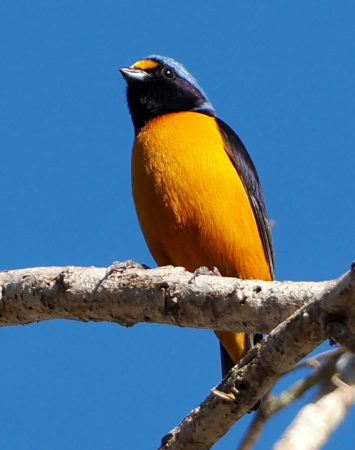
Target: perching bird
[{"x": 197, "y": 194}]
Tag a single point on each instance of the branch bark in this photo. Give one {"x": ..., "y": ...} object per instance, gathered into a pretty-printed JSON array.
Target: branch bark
[
  {"x": 162, "y": 295},
  {"x": 167, "y": 295},
  {"x": 257, "y": 372}
]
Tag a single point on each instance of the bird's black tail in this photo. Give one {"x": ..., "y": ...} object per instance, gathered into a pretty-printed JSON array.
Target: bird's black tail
[{"x": 227, "y": 363}]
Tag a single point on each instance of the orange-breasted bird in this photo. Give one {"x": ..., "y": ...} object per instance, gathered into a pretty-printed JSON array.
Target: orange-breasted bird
[{"x": 196, "y": 190}]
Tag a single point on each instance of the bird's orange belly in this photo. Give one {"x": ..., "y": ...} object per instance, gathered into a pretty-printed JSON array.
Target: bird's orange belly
[
  {"x": 192, "y": 205},
  {"x": 190, "y": 201}
]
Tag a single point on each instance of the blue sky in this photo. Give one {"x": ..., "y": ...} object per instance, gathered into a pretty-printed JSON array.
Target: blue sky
[{"x": 280, "y": 73}]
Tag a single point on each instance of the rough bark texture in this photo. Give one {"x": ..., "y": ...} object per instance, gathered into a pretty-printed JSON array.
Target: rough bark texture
[
  {"x": 249, "y": 381},
  {"x": 163, "y": 295},
  {"x": 167, "y": 295},
  {"x": 262, "y": 367}
]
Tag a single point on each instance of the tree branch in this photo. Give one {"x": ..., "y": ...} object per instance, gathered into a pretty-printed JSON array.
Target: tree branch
[
  {"x": 167, "y": 295},
  {"x": 315, "y": 422},
  {"x": 256, "y": 373},
  {"x": 162, "y": 295},
  {"x": 273, "y": 404}
]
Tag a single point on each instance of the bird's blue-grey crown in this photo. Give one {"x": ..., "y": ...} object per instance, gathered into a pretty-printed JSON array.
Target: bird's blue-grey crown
[
  {"x": 158, "y": 85},
  {"x": 183, "y": 73}
]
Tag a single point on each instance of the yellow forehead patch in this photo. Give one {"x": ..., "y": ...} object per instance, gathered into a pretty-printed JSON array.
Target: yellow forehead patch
[{"x": 145, "y": 64}]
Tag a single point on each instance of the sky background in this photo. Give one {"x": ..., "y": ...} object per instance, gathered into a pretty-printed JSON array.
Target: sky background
[{"x": 281, "y": 74}]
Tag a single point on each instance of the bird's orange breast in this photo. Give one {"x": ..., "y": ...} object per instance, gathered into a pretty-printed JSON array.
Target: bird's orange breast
[{"x": 191, "y": 203}]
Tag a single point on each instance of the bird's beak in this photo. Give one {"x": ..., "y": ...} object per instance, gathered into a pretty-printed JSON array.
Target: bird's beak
[{"x": 133, "y": 74}]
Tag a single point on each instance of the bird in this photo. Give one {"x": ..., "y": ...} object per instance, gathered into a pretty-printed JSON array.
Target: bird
[{"x": 196, "y": 191}]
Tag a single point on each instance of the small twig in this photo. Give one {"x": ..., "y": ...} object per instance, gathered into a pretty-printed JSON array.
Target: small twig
[
  {"x": 223, "y": 395},
  {"x": 272, "y": 404},
  {"x": 314, "y": 361},
  {"x": 315, "y": 422},
  {"x": 258, "y": 423}
]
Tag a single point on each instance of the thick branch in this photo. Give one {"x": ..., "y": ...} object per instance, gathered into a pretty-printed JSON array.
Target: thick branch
[
  {"x": 167, "y": 295},
  {"x": 258, "y": 371},
  {"x": 163, "y": 295},
  {"x": 340, "y": 299}
]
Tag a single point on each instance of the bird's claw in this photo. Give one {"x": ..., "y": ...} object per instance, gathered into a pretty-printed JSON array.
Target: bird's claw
[
  {"x": 203, "y": 270},
  {"x": 122, "y": 266}
]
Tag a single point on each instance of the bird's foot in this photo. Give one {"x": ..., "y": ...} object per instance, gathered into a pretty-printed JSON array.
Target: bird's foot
[
  {"x": 203, "y": 270},
  {"x": 122, "y": 266}
]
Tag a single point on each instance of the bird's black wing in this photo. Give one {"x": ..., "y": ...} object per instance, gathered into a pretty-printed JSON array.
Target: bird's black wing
[
  {"x": 247, "y": 172},
  {"x": 245, "y": 167}
]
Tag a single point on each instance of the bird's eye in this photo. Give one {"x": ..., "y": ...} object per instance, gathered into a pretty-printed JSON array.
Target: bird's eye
[{"x": 168, "y": 73}]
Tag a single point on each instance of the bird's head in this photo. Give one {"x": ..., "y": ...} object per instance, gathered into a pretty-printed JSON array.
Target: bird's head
[{"x": 159, "y": 85}]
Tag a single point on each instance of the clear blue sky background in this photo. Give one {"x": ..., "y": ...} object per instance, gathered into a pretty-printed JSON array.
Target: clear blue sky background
[{"x": 280, "y": 73}]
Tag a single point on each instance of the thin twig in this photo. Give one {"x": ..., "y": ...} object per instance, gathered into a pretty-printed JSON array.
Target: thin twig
[
  {"x": 315, "y": 422},
  {"x": 272, "y": 404}
]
